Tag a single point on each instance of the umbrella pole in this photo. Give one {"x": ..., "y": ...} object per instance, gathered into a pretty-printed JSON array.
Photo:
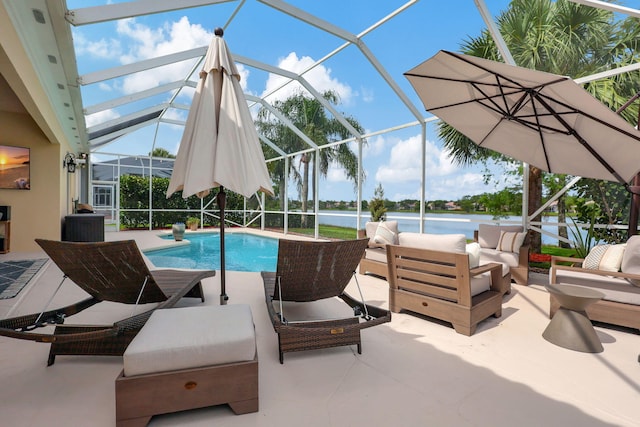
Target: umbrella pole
[{"x": 222, "y": 201}]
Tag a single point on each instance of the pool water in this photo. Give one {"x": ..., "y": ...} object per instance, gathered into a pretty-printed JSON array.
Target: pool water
[{"x": 243, "y": 252}]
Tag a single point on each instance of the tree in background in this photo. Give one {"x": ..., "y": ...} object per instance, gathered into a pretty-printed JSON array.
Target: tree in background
[
  {"x": 376, "y": 205},
  {"x": 560, "y": 37},
  {"x": 308, "y": 115},
  {"x": 161, "y": 152}
]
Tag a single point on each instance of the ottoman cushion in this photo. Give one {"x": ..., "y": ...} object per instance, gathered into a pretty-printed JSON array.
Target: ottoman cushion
[{"x": 192, "y": 337}]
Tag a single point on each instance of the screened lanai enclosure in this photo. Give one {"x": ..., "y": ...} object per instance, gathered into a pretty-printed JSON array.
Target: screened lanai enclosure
[{"x": 130, "y": 69}]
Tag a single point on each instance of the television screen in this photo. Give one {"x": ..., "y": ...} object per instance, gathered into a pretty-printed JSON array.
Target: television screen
[{"x": 14, "y": 168}]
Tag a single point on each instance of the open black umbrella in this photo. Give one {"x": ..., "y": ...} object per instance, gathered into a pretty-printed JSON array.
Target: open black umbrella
[{"x": 220, "y": 145}]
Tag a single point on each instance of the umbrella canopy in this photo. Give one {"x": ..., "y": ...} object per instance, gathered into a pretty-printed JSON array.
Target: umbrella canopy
[
  {"x": 220, "y": 145},
  {"x": 539, "y": 118}
]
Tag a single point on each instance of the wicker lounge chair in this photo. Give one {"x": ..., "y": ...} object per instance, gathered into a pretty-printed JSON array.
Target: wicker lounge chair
[
  {"x": 311, "y": 271},
  {"x": 107, "y": 271}
]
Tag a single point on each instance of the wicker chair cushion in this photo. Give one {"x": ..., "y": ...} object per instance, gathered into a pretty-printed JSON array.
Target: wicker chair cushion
[{"x": 192, "y": 337}]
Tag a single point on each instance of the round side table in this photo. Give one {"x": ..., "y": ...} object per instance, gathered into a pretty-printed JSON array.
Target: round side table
[{"x": 570, "y": 327}]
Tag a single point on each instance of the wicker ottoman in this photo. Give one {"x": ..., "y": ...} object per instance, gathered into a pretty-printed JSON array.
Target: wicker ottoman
[{"x": 185, "y": 358}]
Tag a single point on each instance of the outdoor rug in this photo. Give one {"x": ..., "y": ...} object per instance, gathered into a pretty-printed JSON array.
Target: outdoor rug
[{"x": 14, "y": 275}]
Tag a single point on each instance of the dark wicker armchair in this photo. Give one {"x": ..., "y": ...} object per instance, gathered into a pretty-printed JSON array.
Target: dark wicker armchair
[
  {"x": 310, "y": 271},
  {"x": 107, "y": 271}
]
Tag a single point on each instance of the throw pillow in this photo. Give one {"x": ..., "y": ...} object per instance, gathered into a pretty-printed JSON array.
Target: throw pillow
[
  {"x": 604, "y": 257},
  {"x": 473, "y": 249},
  {"x": 387, "y": 233},
  {"x": 370, "y": 231},
  {"x": 510, "y": 241},
  {"x": 489, "y": 235},
  {"x": 631, "y": 259}
]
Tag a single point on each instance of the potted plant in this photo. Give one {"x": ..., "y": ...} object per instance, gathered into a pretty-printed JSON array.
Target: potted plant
[{"x": 193, "y": 222}]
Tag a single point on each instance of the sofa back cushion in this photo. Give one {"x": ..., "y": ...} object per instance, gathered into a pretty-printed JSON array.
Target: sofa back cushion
[
  {"x": 631, "y": 258},
  {"x": 473, "y": 249},
  {"x": 435, "y": 242},
  {"x": 489, "y": 235},
  {"x": 370, "y": 229},
  {"x": 510, "y": 241},
  {"x": 386, "y": 233},
  {"x": 604, "y": 257}
]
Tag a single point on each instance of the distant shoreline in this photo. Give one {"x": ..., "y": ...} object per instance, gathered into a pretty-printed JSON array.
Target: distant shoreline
[{"x": 15, "y": 177}]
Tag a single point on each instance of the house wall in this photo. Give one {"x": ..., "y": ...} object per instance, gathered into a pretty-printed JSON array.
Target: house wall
[{"x": 35, "y": 213}]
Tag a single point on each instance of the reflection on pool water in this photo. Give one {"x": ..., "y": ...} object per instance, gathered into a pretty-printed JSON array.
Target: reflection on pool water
[{"x": 243, "y": 252}]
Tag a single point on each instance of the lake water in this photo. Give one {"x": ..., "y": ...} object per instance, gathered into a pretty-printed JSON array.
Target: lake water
[{"x": 434, "y": 223}]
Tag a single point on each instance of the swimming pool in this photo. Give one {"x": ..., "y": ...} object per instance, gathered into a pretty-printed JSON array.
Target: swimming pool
[{"x": 243, "y": 252}]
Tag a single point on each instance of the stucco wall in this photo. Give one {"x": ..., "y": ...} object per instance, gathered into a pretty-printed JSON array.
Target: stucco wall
[{"x": 35, "y": 213}]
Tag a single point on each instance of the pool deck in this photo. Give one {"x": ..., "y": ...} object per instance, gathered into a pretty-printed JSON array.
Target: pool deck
[{"x": 412, "y": 371}]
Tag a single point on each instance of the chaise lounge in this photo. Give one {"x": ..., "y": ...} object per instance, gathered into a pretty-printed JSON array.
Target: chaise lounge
[
  {"x": 310, "y": 272},
  {"x": 107, "y": 271}
]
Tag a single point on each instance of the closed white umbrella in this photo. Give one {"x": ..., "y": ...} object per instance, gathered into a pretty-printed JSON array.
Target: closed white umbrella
[{"x": 220, "y": 145}]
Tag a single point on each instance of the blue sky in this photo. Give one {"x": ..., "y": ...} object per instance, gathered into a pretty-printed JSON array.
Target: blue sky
[{"x": 269, "y": 36}]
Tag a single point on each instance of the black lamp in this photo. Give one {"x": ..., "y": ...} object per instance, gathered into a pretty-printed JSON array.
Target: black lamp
[{"x": 69, "y": 162}]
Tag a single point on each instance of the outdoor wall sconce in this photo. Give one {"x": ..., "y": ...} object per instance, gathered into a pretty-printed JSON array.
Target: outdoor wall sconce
[{"x": 69, "y": 162}]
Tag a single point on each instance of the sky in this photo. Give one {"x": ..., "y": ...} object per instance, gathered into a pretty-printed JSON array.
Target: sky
[{"x": 391, "y": 158}]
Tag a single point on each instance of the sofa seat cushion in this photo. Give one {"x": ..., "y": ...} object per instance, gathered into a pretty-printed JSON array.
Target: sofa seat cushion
[
  {"x": 192, "y": 337},
  {"x": 480, "y": 284},
  {"x": 435, "y": 242},
  {"x": 614, "y": 289},
  {"x": 376, "y": 254},
  {"x": 507, "y": 259}
]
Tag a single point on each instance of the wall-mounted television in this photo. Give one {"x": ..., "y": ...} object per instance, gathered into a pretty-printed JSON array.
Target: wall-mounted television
[{"x": 15, "y": 170}]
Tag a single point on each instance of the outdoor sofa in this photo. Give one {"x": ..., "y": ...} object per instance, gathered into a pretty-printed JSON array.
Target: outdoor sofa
[
  {"x": 613, "y": 270},
  {"x": 374, "y": 260},
  {"x": 444, "y": 282}
]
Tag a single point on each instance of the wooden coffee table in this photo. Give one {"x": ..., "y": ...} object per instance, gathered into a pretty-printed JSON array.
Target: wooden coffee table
[{"x": 570, "y": 327}]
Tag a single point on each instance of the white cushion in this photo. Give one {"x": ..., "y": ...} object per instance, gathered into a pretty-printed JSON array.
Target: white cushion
[
  {"x": 604, "y": 257},
  {"x": 473, "y": 249},
  {"x": 192, "y": 337},
  {"x": 435, "y": 242},
  {"x": 510, "y": 241},
  {"x": 370, "y": 229},
  {"x": 376, "y": 254},
  {"x": 631, "y": 259},
  {"x": 387, "y": 233},
  {"x": 480, "y": 283},
  {"x": 488, "y": 235}
]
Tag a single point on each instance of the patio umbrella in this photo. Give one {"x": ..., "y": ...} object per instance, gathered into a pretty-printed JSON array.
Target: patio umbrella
[
  {"x": 542, "y": 119},
  {"x": 220, "y": 145}
]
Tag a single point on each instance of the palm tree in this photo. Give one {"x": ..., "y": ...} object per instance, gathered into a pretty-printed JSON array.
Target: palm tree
[
  {"x": 310, "y": 116},
  {"x": 560, "y": 37}
]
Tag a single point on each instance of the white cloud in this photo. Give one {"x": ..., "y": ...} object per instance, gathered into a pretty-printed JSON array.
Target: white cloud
[
  {"x": 375, "y": 146},
  {"x": 337, "y": 174},
  {"x": 405, "y": 162},
  {"x": 103, "y": 48},
  {"x": 146, "y": 42},
  {"x": 319, "y": 78},
  {"x": 105, "y": 87},
  {"x": 101, "y": 117}
]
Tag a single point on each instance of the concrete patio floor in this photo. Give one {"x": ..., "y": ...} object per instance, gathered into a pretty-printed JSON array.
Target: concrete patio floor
[{"x": 412, "y": 371}]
